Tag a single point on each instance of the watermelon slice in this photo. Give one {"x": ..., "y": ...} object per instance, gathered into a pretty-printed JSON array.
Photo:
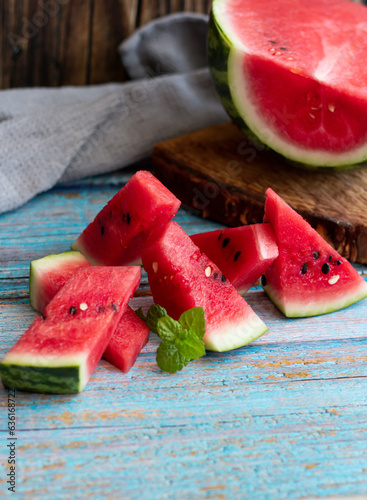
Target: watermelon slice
[
  {"x": 309, "y": 277},
  {"x": 242, "y": 253},
  {"x": 294, "y": 73},
  {"x": 49, "y": 274},
  {"x": 181, "y": 277},
  {"x": 119, "y": 231},
  {"x": 129, "y": 338},
  {"x": 59, "y": 352}
]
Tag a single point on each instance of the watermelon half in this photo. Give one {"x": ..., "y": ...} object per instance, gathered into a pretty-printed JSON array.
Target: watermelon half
[
  {"x": 119, "y": 231},
  {"x": 181, "y": 277},
  {"x": 49, "y": 274},
  {"x": 59, "y": 352},
  {"x": 309, "y": 277},
  {"x": 242, "y": 253},
  {"x": 294, "y": 73}
]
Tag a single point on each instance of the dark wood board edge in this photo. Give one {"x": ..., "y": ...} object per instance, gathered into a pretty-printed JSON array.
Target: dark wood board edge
[{"x": 204, "y": 196}]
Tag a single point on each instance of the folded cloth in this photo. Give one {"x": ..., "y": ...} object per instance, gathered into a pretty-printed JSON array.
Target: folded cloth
[{"x": 52, "y": 135}]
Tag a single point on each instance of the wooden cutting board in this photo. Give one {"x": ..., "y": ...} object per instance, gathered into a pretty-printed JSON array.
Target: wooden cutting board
[{"x": 219, "y": 173}]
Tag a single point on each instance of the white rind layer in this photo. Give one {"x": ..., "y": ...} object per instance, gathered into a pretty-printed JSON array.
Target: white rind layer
[
  {"x": 219, "y": 9},
  {"x": 318, "y": 305},
  {"x": 50, "y": 261},
  {"x": 234, "y": 333},
  {"x": 246, "y": 108},
  {"x": 79, "y": 247}
]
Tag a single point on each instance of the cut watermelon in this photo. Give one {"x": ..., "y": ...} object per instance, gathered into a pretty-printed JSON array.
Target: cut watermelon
[
  {"x": 294, "y": 73},
  {"x": 59, "y": 352},
  {"x": 129, "y": 338},
  {"x": 242, "y": 253},
  {"x": 181, "y": 277},
  {"x": 309, "y": 277},
  {"x": 119, "y": 232},
  {"x": 49, "y": 274}
]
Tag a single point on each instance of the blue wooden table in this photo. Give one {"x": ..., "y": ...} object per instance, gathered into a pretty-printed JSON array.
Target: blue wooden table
[{"x": 285, "y": 417}]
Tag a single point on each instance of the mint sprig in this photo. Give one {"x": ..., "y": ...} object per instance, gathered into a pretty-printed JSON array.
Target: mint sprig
[
  {"x": 182, "y": 340},
  {"x": 154, "y": 313}
]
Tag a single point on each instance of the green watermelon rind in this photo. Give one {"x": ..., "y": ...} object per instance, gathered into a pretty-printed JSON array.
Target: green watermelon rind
[
  {"x": 225, "y": 53},
  {"x": 44, "y": 374},
  {"x": 300, "y": 310},
  {"x": 39, "y": 265},
  {"x": 57, "y": 380}
]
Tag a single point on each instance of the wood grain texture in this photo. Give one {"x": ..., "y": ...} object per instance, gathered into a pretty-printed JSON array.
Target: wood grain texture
[
  {"x": 73, "y": 42},
  {"x": 219, "y": 173},
  {"x": 283, "y": 418}
]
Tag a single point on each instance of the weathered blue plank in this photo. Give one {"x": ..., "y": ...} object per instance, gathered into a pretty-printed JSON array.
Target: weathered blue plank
[
  {"x": 282, "y": 418},
  {"x": 254, "y": 441}
]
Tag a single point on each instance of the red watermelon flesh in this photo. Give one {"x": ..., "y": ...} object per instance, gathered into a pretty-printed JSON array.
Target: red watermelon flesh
[
  {"x": 129, "y": 338},
  {"x": 297, "y": 75},
  {"x": 119, "y": 231},
  {"x": 49, "y": 274},
  {"x": 181, "y": 277},
  {"x": 59, "y": 352},
  {"x": 242, "y": 253},
  {"x": 309, "y": 277}
]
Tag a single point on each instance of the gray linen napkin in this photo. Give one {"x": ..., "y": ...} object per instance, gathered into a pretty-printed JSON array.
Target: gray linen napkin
[{"x": 52, "y": 135}]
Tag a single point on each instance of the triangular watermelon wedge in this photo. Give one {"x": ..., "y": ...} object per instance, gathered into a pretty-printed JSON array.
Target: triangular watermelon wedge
[
  {"x": 117, "y": 235},
  {"x": 309, "y": 277},
  {"x": 242, "y": 253},
  {"x": 181, "y": 277}
]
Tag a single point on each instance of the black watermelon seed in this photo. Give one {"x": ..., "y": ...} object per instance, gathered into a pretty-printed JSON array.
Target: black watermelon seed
[
  {"x": 72, "y": 310},
  {"x": 272, "y": 41},
  {"x": 100, "y": 309},
  {"x": 330, "y": 258},
  {"x": 102, "y": 230},
  {"x": 263, "y": 280},
  {"x": 215, "y": 276},
  {"x": 114, "y": 307},
  {"x": 220, "y": 235},
  {"x": 128, "y": 218},
  {"x": 43, "y": 317},
  {"x": 237, "y": 255},
  {"x": 325, "y": 268},
  {"x": 316, "y": 255},
  {"x": 225, "y": 242},
  {"x": 223, "y": 278},
  {"x": 338, "y": 262},
  {"x": 304, "y": 268},
  {"x": 283, "y": 48}
]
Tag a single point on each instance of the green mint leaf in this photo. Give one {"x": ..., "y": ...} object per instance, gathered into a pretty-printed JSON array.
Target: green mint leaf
[
  {"x": 141, "y": 314},
  {"x": 193, "y": 320},
  {"x": 155, "y": 312},
  {"x": 169, "y": 357},
  {"x": 169, "y": 329},
  {"x": 182, "y": 341},
  {"x": 191, "y": 347}
]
